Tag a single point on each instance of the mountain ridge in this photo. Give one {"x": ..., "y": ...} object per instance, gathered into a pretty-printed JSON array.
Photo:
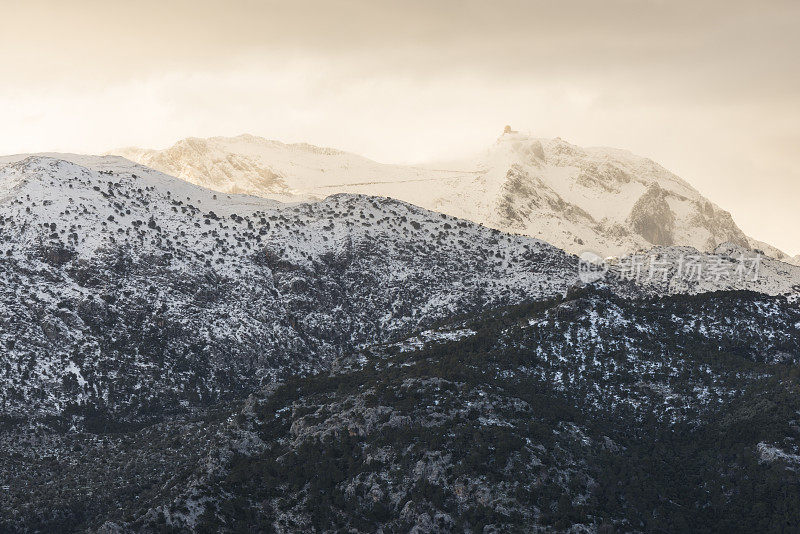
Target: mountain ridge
[
  {"x": 115, "y": 276},
  {"x": 607, "y": 200}
]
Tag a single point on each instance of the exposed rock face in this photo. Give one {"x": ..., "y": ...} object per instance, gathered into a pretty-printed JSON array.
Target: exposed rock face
[
  {"x": 652, "y": 218},
  {"x": 523, "y": 195},
  {"x": 201, "y": 162},
  {"x": 720, "y": 225}
]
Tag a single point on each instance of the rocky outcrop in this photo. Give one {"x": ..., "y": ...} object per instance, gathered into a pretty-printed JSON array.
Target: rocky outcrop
[
  {"x": 523, "y": 195},
  {"x": 719, "y": 224},
  {"x": 652, "y": 218}
]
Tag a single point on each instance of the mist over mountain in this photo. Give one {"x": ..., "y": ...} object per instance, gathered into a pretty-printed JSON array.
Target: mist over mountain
[{"x": 601, "y": 199}]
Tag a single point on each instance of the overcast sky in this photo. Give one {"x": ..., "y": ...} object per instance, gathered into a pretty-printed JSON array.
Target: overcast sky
[{"x": 709, "y": 89}]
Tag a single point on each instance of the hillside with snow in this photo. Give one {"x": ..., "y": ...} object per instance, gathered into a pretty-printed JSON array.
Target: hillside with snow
[
  {"x": 175, "y": 358},
  {"x": 116, "y": 276},
  {"x": 600, "y": 199},
  {"x": 125, "y": 289}
]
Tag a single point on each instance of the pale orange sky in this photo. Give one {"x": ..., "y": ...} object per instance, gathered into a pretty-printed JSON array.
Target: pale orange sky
[{"x": 709, "y": 89}]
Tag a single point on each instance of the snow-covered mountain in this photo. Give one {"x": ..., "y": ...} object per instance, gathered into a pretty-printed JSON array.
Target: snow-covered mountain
[
  {"x": 114, "y": 276},
  {"x": 177, "y": 359},
  {"x": 601, "y": 199},
  {"x": 125, "y": 289}
]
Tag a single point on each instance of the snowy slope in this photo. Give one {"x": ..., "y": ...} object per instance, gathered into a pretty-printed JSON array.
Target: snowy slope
[
  {"x": 125, "y": 289},
  {"x": 685, "y": 270},
  {"x": 601, "y": 199}
]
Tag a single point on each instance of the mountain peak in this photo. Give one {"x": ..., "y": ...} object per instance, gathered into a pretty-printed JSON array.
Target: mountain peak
[{"x": 576, "y": 198}]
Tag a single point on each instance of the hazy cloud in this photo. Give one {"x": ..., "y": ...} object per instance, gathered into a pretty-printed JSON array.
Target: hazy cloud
[{"x": 710, "y": 89}]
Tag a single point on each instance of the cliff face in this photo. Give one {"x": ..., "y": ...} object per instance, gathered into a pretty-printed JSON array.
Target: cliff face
[{"x": 652, "y": 218}]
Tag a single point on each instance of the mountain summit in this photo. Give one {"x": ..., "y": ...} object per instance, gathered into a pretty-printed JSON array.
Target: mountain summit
[{"x": 602, "y": 199}]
